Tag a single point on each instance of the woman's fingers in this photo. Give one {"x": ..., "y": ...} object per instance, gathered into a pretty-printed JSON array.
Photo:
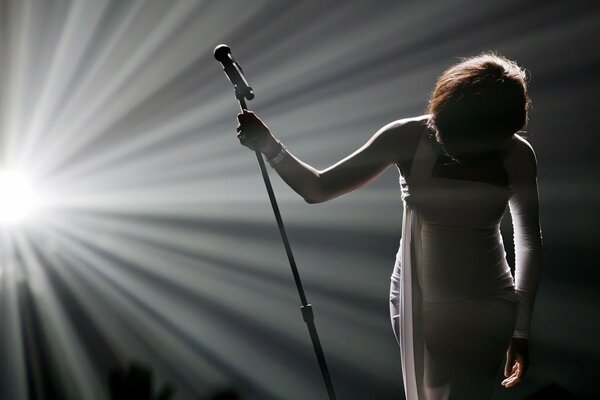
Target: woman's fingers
[
  {"x": 512, "y": 369},
  {"x": 252, "y": 132},
  {"x": 509, "y": 382},
  {"x": 247, "y": 140},
  {"x": 246, "y": 123},
  {"x": 248, "y": 131},
  {"x": 510, "y": 375},
  {"x": 246, "y": 116},
  {"x": 515, "y": 376}
]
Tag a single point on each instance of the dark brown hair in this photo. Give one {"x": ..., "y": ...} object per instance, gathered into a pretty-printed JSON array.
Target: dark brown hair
[{"x": 485, "y": 94}]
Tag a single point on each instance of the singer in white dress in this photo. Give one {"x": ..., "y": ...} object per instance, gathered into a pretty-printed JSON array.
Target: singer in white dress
[{"x": 456, "y": 309}]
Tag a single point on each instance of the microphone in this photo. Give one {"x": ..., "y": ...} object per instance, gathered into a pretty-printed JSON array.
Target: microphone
[{"x": 234, "y": 72}]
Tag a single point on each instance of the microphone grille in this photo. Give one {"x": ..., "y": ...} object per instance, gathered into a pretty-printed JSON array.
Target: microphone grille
[{"x": 222, "y": 52}]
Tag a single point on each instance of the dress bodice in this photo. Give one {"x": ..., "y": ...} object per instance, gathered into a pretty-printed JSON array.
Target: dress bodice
[
  {"x": 460, "y": 250},
  {"x": 449, "y": 201}
]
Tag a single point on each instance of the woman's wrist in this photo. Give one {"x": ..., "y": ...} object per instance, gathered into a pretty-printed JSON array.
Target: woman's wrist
[
  {"x": 276, "y": 157},
  {"x": 272, "y": 149}
]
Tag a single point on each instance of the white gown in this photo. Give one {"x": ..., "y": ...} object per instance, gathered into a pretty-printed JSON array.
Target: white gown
[{"x": 451, "y": 251}]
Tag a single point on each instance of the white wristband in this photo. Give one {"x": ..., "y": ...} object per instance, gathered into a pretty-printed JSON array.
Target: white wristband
[{"x": 279, "y": 156}]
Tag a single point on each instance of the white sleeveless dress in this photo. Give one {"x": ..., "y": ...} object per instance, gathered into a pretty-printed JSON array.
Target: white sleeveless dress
[{"x": 451, "y": 255}]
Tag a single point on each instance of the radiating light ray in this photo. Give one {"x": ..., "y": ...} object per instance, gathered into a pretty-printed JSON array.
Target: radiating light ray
[
  {"x": 131, "y": 239},
  {"x": 214, "y": 284},
  {"x": 149, "y": 138},
  {"x": 337, "y": 102},
  {"x": 331, "y": 310},
  {"x": 75, "y": 263},
  {"x": 82, "y": 21},
  {"x": 14, "y": 380},
  {"x": 149, "y": 76},
  {"x": 134, "y": 248},
  {"x": 201, "y": 328},
  {"x": 60, "y": 333},
  {"x": 108, "y": 92},
  {"x": 335, "y": 63},
  {"x": 81, "y": 92},
  {"x": 18, "y": 49}
]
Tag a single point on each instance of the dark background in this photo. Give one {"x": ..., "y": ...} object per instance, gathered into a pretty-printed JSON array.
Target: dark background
[{"x": 157, "y": 242}]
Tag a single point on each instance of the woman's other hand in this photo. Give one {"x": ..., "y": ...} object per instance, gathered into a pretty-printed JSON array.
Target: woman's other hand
[
  {"x": 517, "y": 362},
  {"x": 254, "y": 134}
]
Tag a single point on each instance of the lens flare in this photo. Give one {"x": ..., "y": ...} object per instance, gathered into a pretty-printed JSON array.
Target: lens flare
[{"x": 17, "y": 198}]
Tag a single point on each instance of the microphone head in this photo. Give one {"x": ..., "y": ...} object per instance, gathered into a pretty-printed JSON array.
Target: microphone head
[{"x": 222, "y": 52}]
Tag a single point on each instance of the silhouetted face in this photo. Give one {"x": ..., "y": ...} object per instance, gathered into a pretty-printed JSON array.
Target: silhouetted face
[{"x": 473, "y": 144}]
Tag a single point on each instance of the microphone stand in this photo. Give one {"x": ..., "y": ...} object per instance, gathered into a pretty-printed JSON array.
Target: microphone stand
[{"x": 306, "y": 308}]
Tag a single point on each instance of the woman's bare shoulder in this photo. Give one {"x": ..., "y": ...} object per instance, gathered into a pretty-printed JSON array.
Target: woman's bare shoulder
[
  {"x": 519, "y": 155},
  {"x": 405, "y": 126},
  {"x": 518, "y": 147},
  {"x": 402, "y": 136}
]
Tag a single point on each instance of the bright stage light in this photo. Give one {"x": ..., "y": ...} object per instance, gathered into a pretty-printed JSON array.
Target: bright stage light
[{"x": 17, "y": 198}]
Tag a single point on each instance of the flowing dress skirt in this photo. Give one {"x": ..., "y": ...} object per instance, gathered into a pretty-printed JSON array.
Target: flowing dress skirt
[{"x": 449, "y": 350}]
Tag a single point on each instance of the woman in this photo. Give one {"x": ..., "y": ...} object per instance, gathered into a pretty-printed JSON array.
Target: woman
[{"x": 454, "y": 305}]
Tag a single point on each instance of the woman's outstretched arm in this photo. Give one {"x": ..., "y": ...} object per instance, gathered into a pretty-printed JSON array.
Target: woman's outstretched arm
[{"x": 348, "y": 174}]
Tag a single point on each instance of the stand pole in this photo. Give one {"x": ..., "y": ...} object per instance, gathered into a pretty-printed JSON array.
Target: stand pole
[{"x": 307, "y": 313}]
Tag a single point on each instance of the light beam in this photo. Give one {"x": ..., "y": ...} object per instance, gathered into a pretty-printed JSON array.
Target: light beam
[{"x": 17, "y": 198}]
